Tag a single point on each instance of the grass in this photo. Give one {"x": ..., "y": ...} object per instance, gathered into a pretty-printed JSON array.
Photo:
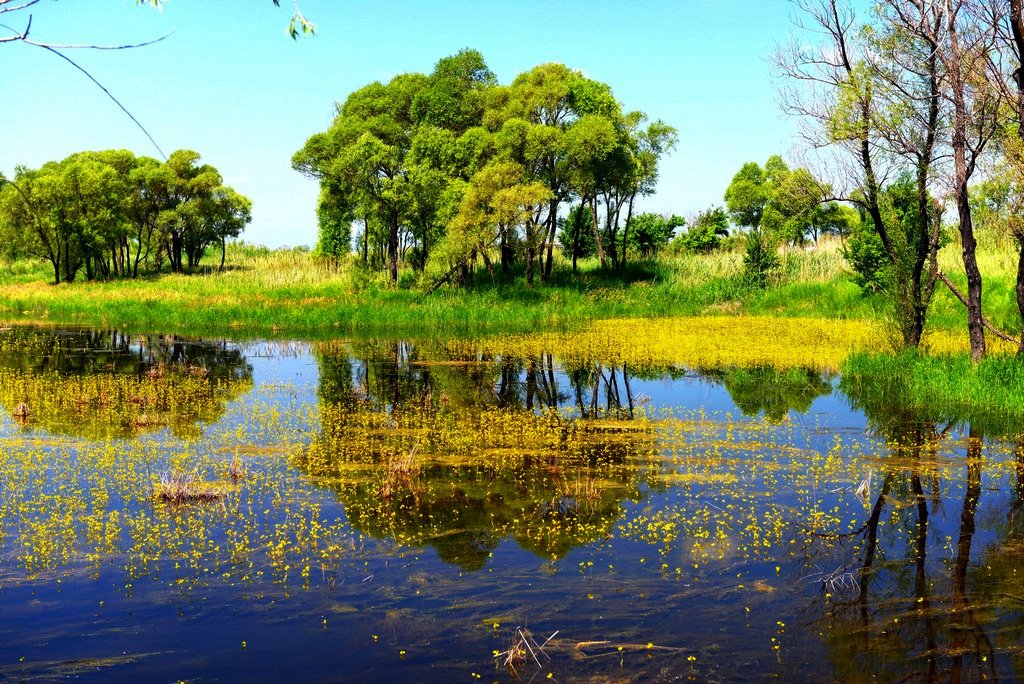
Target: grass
[
  {"x": 287, "y": 293},
  {"x": 939, "y": 388},
  {"x": 181, "y": 487}
]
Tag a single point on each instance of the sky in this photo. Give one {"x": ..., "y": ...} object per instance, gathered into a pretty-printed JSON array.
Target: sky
[{"x": 230, "y": 84}]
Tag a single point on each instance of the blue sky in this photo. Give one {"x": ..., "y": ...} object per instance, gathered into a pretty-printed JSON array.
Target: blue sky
[{"x": 231, "y": 85}]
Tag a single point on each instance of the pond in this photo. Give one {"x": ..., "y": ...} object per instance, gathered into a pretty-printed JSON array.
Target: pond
[{"x": 433, "y": 511}]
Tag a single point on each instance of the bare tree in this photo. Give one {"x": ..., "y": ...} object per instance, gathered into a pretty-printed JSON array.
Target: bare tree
[
  {"x": 964, "y": 50},
  {"x": 877, "y": 99}
]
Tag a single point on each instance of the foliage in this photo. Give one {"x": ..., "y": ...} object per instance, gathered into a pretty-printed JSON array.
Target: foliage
[
  {"x": 111, "y": 213},
  {"x": 650, "y": 232},
  {"x": 577, "y": 228},
  {"x": 705, "y": 232},
  {"x": 867, "y": 257},
  {"x": 760, "y": 259},
  {"x": 453, "y": 167}
]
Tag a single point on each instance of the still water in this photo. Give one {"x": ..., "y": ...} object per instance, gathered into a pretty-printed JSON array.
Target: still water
[{"x": 384, "y": 510}]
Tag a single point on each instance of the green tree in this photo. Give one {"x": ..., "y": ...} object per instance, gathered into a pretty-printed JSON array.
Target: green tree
[
  {"x": 576, "y": 234},
  {"x": 334, "y": 225},
  {"x": 364, "y": 153},
  {"x": 106, "y": 212},
  {"x": 706, "y": 231},
  {"x": 747, "y": 199},
  {"x": 651, "y": 232}
]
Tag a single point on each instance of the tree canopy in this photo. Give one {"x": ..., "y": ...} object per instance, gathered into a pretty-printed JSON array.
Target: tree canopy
[
  {"x": 112, "y": 214},
  {"x": 449, "y": 168}
]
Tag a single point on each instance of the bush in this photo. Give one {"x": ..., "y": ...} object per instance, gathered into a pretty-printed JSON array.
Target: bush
[
  {"x": 761, "y": 259},
  {"x": 866, "y": 255},
  {"x": 706, "y": 232}
]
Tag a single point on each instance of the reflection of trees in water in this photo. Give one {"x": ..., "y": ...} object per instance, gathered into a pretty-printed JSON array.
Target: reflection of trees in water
[
  {"x": 545, "y": 504},
  {"x": 922, "y": 610},
  {"x": 772, "y": 391},
  {"x": 107, "y": 383},
  {"x": 459, "y": 455},
  {"x": 396, "y": 374},
  {"x": 86, "y": 352}
]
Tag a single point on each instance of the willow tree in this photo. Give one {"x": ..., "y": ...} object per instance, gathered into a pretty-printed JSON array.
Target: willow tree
[
  {"x": 363, "y": 153},
  {"x": 497, "y": 201},
  {"x": 106, "y": 212}
]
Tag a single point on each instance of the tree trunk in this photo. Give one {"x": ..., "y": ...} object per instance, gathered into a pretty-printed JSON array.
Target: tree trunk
[
  {"x": 975, "y": 327},
  {"x": 577, "y": 220},
  {"x": 625, "y": 230},
  {"x": 1020, "y": 288},
  {"x": 552, "y": 229},
  {"x": 393, "y": 246},
  {"x": 611, "y": 220},
  {"x": 531, "y": 250},
  {"x": 223, "y": 252},
  {"x": 177, "y": 247},
  {"x": 507, "y": 255},
  {"x": 968, "y": 244},
  {"x": 1017, "y": 26},
  {"x": 597, "y": 231},
  {"x": 425, "y": 253},
  {"x": 366, "y": 241}
]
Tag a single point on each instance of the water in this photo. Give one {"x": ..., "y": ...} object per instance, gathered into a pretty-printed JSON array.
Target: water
[{"x": 401, "y": 514}]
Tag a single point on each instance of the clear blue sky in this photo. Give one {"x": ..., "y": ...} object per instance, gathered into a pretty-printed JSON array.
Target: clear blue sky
[{"x": 231, "y": 85}]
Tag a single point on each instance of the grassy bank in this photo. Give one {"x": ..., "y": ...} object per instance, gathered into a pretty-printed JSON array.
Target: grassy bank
[
  {"x": 939, "y": 388},
  {"x": 264, "y": 293}
]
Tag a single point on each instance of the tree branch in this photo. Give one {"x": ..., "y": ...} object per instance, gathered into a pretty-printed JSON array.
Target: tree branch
[{"x": 984, "y": 321}]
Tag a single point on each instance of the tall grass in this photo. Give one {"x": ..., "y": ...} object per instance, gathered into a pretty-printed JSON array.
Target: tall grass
[{"x": 940, "y": 388}]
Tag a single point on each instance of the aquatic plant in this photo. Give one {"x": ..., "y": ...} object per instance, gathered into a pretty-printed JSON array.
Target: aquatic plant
[{"x": 180, "y": 487}]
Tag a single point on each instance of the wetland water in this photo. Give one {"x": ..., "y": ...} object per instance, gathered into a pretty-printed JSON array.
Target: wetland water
[{"x": 397, "y": 511}]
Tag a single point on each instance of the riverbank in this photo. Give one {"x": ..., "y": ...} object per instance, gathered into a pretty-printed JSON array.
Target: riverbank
[{"x": 288, "y": 293}]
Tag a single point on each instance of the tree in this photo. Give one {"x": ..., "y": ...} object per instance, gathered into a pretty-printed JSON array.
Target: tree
[
  {"x": 705, "y": 232},
  {"x": 498, "y": 199},
  {"x": 874, "y": 93},
  {"x": 106, "y": 212},
  {"x": 748, "y": 200},
  {"x": 228, "y": 215},
  {"x": 364, "y": 153},
  {"x": 409, "y": 153},
  {"x": 650, "y": 233},
  {"x": 576, "y": 235},
  {"x": 334, "y": 225}
]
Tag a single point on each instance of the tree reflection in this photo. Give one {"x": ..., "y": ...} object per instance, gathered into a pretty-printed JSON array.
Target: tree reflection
[
  {"x": 96, "y": 384},
  {"x": 771, "y": 391},
  {"x": 924, "y": 609},
  {"x": 460, "y": 454}
]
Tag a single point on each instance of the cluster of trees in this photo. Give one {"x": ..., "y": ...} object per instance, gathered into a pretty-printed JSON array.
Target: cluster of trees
[
  {"x": 648, "y": 233},
  {"x": 448, "y": 168},
  {"x": 776, "y": 203},
  {"x": 112, "y": 214},
  {"x": 920, "y": 99}
]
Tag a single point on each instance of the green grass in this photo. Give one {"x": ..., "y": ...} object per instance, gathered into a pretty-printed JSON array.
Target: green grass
[
  {"x": 939, "y": 388},
  {"x": 282, "y": 293}
]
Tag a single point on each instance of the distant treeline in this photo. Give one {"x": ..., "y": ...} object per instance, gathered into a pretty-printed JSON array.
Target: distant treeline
[{"x": 112, "y": 214}]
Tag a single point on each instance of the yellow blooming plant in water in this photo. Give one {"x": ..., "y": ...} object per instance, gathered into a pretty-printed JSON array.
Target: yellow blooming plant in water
[{"x": 711, "y": 342}]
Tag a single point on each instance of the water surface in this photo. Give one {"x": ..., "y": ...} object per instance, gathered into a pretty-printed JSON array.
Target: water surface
[{"x": 397, "y": 512}]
